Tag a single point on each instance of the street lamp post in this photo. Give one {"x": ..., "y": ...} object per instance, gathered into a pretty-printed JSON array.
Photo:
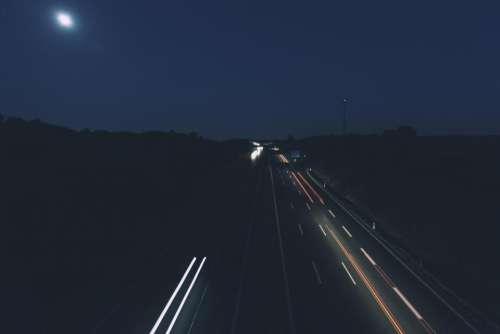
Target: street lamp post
[{"x": 345, "y": 100}]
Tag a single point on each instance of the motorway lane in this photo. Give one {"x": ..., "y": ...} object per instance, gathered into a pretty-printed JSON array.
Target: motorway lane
[
  {"x": 320, "y": 295},
  {"x": 392, "y": 300},
  {"x": 335, "y": 304},
  {"x": 429, "y": 315},
  {"x": 330, "y": 302},
  {"x": 442, "y": 319},
  {"x": 333, "y": 285}
]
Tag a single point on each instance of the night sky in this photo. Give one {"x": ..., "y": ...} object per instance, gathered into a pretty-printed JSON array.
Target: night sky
[{"x": 253, "y": 68}]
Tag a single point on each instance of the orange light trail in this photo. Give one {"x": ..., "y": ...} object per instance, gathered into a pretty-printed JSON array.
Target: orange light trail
[
  {"x": 282, "y": 158},
  {"x": 301, "y": 186},
  {"x": 393, "y": 286},
  {"x": 385, "y": 309},
  {"x": 312, "y": 189}
]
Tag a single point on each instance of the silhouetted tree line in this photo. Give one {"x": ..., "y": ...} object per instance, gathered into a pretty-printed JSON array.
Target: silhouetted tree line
[{"x": 59, "y": 182}]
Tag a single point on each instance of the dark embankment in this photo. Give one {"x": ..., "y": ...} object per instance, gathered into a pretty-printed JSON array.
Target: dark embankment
[{"x": 90, "y": 219}]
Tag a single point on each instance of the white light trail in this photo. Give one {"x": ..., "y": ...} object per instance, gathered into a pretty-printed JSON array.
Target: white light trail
[
  {"x": 165, "y": 309},
  {"x": 185, "y": 297},
  {"x": 256, "y": 152}
]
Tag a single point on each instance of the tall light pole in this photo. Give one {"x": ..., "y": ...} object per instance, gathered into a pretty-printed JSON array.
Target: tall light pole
[{"x": 345, "y": 100}]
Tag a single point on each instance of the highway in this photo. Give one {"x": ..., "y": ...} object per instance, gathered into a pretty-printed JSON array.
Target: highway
[
  {"x": 303, "y": 261},
  {"x": 358, "y": 282}
]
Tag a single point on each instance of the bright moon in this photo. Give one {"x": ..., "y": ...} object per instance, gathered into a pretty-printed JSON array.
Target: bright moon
[{"x": 64, "y": 19}]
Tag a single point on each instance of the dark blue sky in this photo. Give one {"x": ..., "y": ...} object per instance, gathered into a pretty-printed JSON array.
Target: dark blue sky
[{"x": 253, "y": 68}]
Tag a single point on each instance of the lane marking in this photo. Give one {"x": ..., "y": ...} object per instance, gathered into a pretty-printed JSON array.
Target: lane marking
[
  {"x": 322, "y": 230},
  {"x": 308, "y": 206},
  {"x": 316, "y": 272},
  {"x": 292, "y": 206},
  {"x": 331, "y": 212},
  {"x": 346, "y": 231},
  {"x": 408, "y": 304},
  {"x": 171, "y": 299},
  {"x": 348, "y": 273},
  {"x": 172, "y": 323},
  {"x": 300, "y": 229},
  {"x": 368, "y": 257}
]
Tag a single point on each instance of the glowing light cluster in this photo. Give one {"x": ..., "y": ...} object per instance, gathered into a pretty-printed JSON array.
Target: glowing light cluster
[
  {"x": 64, "y": 20},
  {"x": 282, "y": 158},
  {"x": 256, "y": 153}
]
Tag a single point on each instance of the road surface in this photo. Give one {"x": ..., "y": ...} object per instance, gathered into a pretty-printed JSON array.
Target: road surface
[{"x": 304, "y": 262}]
